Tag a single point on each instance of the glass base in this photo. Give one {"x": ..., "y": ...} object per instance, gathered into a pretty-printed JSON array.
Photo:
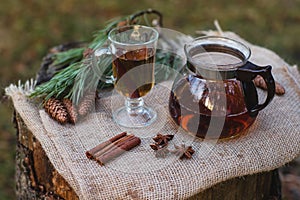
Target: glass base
[{"x": 142, "y": 117}]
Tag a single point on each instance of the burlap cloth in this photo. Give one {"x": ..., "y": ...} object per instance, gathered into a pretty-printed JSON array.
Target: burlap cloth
[{"x": 272, "y": 141}]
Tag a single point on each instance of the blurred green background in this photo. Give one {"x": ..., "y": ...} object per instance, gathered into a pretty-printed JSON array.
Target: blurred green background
[{"x": 28, "y": 28}]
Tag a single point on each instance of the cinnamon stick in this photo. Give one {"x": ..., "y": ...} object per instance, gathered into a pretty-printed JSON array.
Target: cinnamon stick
[
  {"x": 114, "y": 145},
  {"x": 90, "y": 154},
  {"x": 115, "y": 152}
]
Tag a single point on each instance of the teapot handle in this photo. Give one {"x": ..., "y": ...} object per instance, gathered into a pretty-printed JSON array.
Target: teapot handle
[{"x": 246, "y": 74}]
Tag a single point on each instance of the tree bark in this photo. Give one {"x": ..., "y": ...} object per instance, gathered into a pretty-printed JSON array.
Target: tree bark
[
  {"x": 36, "y": 177},
  {"x": 264, "y": 186}
]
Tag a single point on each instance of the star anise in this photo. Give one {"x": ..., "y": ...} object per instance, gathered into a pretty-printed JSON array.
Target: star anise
[
  {"x": 155, "y": 147},
  {"x": 183, "y": 151},
  {"x": 161, "y": 139},
  {"x": 160, "y": 151}
]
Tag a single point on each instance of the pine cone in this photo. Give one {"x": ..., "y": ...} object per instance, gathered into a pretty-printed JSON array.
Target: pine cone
[
  {"x": 123, "y": 23},
  {"x": 56, "y": 110},
  {"x": 88, "y": 52},
  {"x": 72, "y": 110},
  {"x": 86, "y": 104}
]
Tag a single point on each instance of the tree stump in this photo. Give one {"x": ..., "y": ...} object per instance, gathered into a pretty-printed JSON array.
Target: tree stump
[{"x": 36, "y": 178}]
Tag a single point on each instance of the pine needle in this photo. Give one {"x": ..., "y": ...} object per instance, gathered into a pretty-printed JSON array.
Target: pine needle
[
  {"x": 59, "y": 84},
  {"x": 85, "y": 81},
  {"x": 68, "y": 57}
]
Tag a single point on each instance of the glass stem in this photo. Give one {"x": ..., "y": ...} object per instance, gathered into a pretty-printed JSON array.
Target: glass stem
[{"x": 134, "y": 106}]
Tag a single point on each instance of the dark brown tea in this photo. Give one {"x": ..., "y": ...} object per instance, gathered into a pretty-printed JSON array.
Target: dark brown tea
[
  {"x": 134, "y": 72},
  {"x": 211, "y": 109}
]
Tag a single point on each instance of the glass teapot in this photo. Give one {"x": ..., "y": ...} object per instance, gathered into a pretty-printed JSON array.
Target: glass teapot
[{"x": 214, "y": 96}]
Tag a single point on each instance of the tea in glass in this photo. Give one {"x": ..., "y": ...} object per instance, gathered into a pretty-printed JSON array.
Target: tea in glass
[{"x": 140, "y": 80}]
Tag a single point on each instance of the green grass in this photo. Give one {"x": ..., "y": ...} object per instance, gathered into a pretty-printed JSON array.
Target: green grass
[{"x": 28, "y": 28}]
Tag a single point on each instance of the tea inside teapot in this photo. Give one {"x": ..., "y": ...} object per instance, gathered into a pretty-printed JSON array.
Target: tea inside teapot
[
  {"x": 215, "y": 97},
  {"x": 199, "y": 106}
]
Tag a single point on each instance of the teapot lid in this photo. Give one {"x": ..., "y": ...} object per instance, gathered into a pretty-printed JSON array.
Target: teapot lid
[{"x": 215, "y": 57}]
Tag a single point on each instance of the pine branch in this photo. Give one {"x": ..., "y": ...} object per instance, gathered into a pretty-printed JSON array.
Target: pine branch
[
  {"x": 60, "y": 84},
  {"x": 79, "y": 76},
  {"x": 100, "y": 37},
  {"x": 85, "y": 81},
  {"x": 68, "y": 57}
]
